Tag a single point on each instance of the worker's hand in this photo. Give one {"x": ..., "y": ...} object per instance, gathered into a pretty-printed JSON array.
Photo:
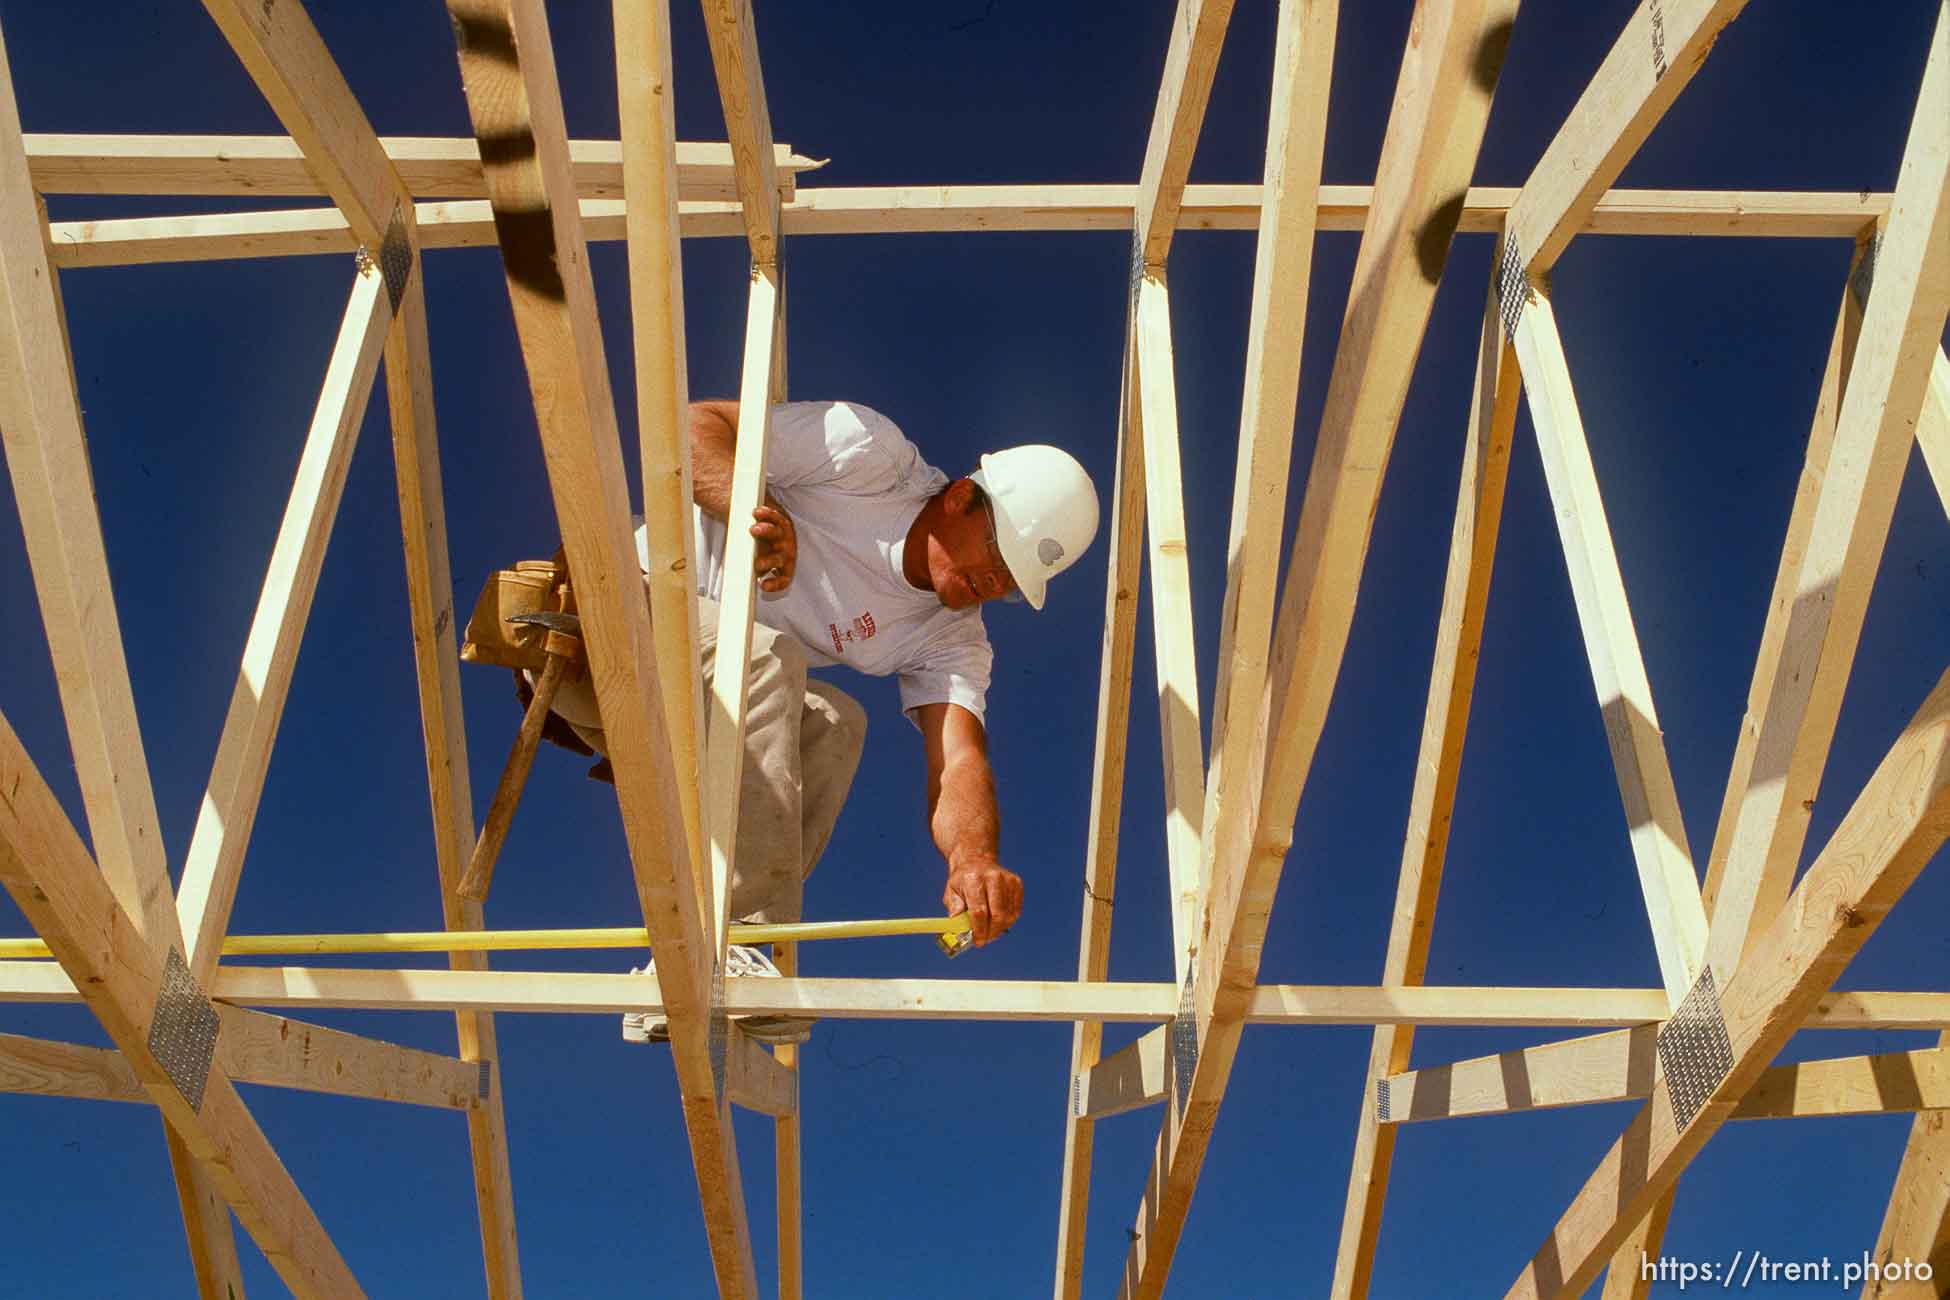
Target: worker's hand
[
  {"x": 990, "y": 893},
  {"x": 778, "y": 547}
]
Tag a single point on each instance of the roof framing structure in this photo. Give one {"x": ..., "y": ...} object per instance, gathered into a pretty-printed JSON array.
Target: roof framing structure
[{"x": 1745, "y": 961}]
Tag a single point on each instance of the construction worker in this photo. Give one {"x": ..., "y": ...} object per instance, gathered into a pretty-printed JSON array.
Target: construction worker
[{"x": 867, "y": 557}]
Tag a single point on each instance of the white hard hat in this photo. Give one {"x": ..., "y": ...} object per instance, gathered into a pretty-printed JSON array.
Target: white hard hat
[{"x": 1045, "y": 512}]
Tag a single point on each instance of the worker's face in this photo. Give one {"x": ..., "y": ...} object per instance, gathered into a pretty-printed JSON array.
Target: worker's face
[{"x": 964, "y": 562}]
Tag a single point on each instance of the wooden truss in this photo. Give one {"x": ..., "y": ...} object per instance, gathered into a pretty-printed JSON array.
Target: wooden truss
[{"x": 1745, "y": 961}]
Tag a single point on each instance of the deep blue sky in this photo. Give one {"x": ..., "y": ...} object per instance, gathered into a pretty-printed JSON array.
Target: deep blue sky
[{"x": 933, "y": 1152}]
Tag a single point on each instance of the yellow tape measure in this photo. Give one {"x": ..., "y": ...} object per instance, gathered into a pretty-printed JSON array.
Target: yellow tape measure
[{"x": 951, "y": 932}]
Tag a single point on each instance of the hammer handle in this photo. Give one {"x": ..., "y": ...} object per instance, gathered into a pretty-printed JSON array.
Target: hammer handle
[{"x": 501, "y": 813}]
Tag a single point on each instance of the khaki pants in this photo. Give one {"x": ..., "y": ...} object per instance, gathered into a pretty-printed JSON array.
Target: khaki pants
[{"x": 803, "y": 738}]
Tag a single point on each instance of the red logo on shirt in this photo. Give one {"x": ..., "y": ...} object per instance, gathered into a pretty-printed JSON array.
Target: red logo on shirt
[{"x": 862, "y": 629}]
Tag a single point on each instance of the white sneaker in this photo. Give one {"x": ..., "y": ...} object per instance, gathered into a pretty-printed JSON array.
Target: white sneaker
[
  {"x": 654, "y": 1027},
  {"x": 645, "y": 1026}
]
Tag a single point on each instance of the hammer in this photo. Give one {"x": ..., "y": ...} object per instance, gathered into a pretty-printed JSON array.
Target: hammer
[{"x": 563, "y": 646}]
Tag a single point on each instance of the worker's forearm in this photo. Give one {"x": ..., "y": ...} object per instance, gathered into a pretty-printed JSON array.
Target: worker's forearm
[
  {"x": 966, "y": 823},
  {"x": 714, "y": 446},
  {"x": 714, "y": 441}
]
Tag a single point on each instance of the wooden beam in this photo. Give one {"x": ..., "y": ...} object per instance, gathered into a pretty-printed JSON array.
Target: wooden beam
[
  {"x": 1762, "y": 876},
  {"x": 1617, "y": 1066},
  {"x": 1171, "y": 613},
  {"x": 1122, "y": 578},
  {"x": 963, "y": 999},
  {"x": 298, "y": 987},
  {"x": 508, "y": 69},
  {"x": 297, "y": 75},
  {"x": 229, "y": 809},
  {"x": 785, "y": 1155},
  {"x": 47, "y": 457},
  {"x": 652, "y": 180},
  {"x": 1620, "y": 1066},
  {"x": 1763, "y": 819},
  {"x": 1441, "y": 104},
  {"x": 1296, "y": 133},
  {"x": 1888, "y": 1084},
  {"x": 1916, "y": 1226},
  {"x": 1129, "y": 1079},
  {"x": 1933, "y": 429},
  {"x": 436, "y": 663},
  {"x": 49, "y": 1069},
  {"x": 48, "y": 872},
  {"x": 756, "y": 1080},
  {"x": 748, "y": 123},
  {"x": 1452, "y": 684},
  {"x": 259, "y": 166},
  {"x": 1742, "y": 779},
  {"x": 724, "y": 769},
  {"x": 1898, "y": 822},
  {"x": 1303, "y": 65},
  {"x": 939, "y": 209},
  {"x": 1191, "y": 62},
  {"x": 285, "y": 56},
  {"x": 736, "y": 57},
  {"x": 1282, "y": 1004},
  {"x": 776, "y": 382},
  {"x": 1625, "y": 1279},
  {"x": 253, "y": 1047},
  {"x": 1902, "y": 328},
  {"x": 1435, "y": 128},
  {"x": 1654, "y": 58},
  {"x": 1658, "y": 829}
]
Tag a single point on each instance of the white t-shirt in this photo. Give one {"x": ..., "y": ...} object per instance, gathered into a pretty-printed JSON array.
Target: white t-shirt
[{"x": 853, "y": 483}]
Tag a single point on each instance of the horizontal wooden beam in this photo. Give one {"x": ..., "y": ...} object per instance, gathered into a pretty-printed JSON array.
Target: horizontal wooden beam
[
  {"x": 266, "y": 166},
  {"x": 1886, "y": 1084},
  {"x": 957, "y": 208},
  {"x": 249, "y": 1049},
  {"x": 942, "y": 999},
  {"x": 1617, "y": 1066},
  {"x": 41, "y": 1067},
  {"x": 254, "y": 1047},
  {"x": 1621, "y": 1066},
  {"x": 1131, "y": 1078},
  {"x": 295, "y": 987}
]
